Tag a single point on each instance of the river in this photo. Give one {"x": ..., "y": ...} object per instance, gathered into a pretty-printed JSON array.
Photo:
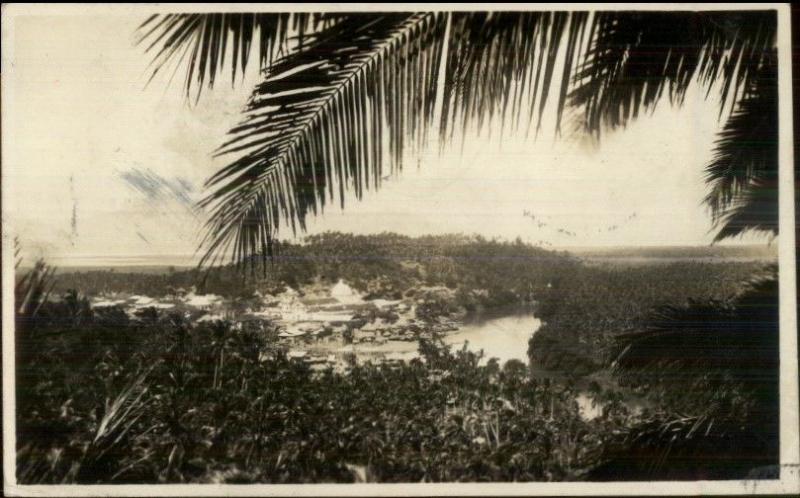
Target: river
[
  {"x": 502, "y": 337},
  {"x": 505, "y": 338}
]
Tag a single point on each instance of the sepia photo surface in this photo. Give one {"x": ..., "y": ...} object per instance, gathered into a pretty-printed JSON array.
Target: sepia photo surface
[{"x": 434, "y": 249}]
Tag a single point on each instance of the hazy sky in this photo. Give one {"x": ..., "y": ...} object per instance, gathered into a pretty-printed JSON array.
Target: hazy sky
[{"x": 85, "y": 133}]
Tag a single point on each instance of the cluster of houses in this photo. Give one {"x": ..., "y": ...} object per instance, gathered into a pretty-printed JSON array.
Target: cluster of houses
[
  {"x": 321, "y": 326},
  {"x": 340, "y": 311},
  {"x": 337, "y": 310},
  {"x": 184, "y": 301}
]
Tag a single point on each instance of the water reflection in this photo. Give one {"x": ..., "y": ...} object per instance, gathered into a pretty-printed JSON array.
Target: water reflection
[{"x": 503, "y": 337}]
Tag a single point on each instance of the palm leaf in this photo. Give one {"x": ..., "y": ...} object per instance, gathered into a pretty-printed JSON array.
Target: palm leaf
[
  {"x": 636, "y": 58},
  {"x": 737, "y": 338},
  {"x": 202, "y": 42},
  {"x": 754, "y": 209},
  {"x": 330, "y": 109},
  {"x": 743, "y": 174},
  {"x": 321, "y": 123},
  {"x": 502, "y": 63},
  {"x": 32, "y": 290},
  {"x": 724, "y": 352},
  {"x": 115, "y": 430}
]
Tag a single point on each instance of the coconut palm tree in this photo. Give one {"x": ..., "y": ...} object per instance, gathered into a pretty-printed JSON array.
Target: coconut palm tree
[
  {"x": 343, "y": 95},
  {"x": 725, "y": 356}
]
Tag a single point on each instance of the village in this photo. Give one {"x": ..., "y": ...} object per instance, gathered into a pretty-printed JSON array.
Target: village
[{"x": 320, "y": 324}]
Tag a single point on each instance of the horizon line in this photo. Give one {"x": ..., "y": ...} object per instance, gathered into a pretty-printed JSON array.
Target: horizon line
[{"x": 192, "y": 260}]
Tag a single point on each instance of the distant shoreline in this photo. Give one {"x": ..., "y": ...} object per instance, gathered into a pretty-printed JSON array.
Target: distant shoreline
[{"x": 589, "y": 255}]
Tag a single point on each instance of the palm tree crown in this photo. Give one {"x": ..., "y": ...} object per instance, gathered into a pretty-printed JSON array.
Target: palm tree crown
[{"x": 344, "y": 94}]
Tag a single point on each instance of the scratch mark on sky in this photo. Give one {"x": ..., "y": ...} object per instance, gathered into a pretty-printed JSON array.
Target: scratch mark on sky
[
  {"x": 74, "y": 221},
  {"x": 156, "y": 188}
]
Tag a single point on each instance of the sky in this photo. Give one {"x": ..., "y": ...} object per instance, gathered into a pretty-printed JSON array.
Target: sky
[{"x": 90, "y": 139}]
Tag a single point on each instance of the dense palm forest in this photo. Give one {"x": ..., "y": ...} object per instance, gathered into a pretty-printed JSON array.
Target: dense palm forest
[
  {"x": 682, "y": 357},
  {"x": 173, "y": 400},
  {"x": 382, "y": 265}
]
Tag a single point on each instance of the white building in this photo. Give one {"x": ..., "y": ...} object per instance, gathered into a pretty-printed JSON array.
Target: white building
[
  {"x": 203, "y": 301},
  {"x": 345, "y": 294}
]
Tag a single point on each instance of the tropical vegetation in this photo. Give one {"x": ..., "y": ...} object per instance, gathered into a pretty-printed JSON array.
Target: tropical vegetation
[
  {"x": 343, "y": 99},
  {"x": 106, "y": 397}
]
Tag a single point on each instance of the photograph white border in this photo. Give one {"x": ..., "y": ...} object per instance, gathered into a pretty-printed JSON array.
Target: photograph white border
[{"x": 789, "y": 482}]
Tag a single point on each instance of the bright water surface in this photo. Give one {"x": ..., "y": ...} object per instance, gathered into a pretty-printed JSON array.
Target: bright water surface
[{"x": 504, "y": 338}]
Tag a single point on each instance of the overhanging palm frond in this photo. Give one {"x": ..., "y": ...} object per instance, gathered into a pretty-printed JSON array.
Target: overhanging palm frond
[
  {"x": 635, "y": 57},
  {"x": 203, "y": 41},
  {"x": 725, "y": 354},
  {"x": 737, "y": 338},
  {"x": 675, "y": 447},
  {"x": 317, "y": 126},
  {"x": 754, "y": 209},
  {"x": 320, "y": 123},
  {"x": 502, "y": 63},
  {"x": 743, "y": 175}
]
